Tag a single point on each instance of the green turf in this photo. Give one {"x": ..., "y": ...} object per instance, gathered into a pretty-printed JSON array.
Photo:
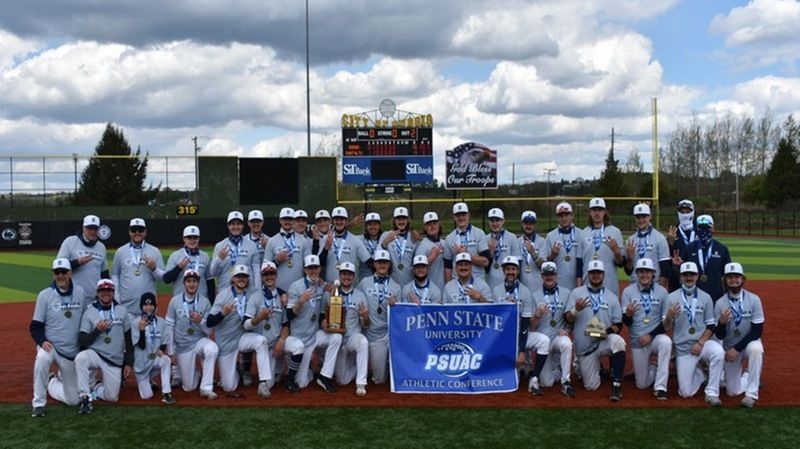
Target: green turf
[{"x": 143, "y": 427}]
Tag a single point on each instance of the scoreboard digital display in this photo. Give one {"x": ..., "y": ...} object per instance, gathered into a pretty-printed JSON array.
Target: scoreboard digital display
[{"x": 387, "y": 141}]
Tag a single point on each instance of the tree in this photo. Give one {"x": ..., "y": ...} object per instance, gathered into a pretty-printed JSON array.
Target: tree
[
  {"x": 634, "y": 163},
  {"x": 783, "y": 176},
  {"x": 114, "y": 181},
  {"x": 611, "y": 182}
]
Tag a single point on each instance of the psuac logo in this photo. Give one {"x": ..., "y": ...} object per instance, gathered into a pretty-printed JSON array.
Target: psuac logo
[{"x": 453, "y": 359}]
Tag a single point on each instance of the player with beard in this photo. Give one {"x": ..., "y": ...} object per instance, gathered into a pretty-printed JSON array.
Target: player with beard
[
  {"x": 371, "y": 241},
  {"x": 421, "y": 290}
]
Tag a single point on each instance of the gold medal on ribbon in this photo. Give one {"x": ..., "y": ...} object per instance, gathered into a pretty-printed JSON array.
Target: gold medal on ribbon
[
  {"x": 107, "y": 340},
  {"x": 567, "y": 258},
  {"x": 68, "y": 313},
  {"x": 190, "y": 331},
  {"x": 691, "y": 331},
  {"x": 151, "y": 356}
]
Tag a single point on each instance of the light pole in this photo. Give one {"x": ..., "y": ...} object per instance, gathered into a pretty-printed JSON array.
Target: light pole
[
  {"x": 196, "y": 172},
  {"x": 308, "y": 92}
]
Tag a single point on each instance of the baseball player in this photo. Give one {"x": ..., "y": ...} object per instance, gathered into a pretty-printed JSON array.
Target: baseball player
[
  {"x": 550, "y": 332},
  {"x": 681, "y": 236},
  {"x": 228, "y": 315},
  {"x": 532, "y": 250},
  {"x": 231, "y": 251},
  {"x": 465, "y": 288},
  {"x": 190, "y": 257},
  {"x": 105, "y": 339},
  {"x": 287, "y": 249},
  {"x": 739, "y": 326},
  {"x": 300, "y": 224},
  {"x": 54, "y": 327},
  {"x": 186, "y": 324},
  {"x": 86, "y": 255},
  {"x": 306, "y": 330},
  {"x": 432, "y": 247},
  {"x": 691, "y": 319},
  {"x": 320, "y": 230},
  {"x": 465, "y": 238},
  {"x": 136, "y": 268},
  {"x": 381, "y": 292},
  {"x": 341, "y": 246},
  {"x": 401, "y": 242},
  {"x": 255, "y": 221},
  {"x": 149, "y": 345},
  {"x": 565, "y": 248},
  {"x": 645, "y": 303},
  {"x": 370, "y": 240},
  {"x": 709, "y": 254},
  {"x": 265, "y": 315},
  {"x": 500, "y": 244},
  {"x": 353, "y": 358},
  {"x": 603, "y": 241},
  {"x": 421, "y": 290},
  {"x": 596, "y": 316},
  {"x": 647, "y": 242}
]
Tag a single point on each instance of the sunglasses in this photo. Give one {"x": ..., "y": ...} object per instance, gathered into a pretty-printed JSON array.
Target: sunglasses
[
  {"x": 60, "y": 272},
  {"x": 137, "y": 230}
]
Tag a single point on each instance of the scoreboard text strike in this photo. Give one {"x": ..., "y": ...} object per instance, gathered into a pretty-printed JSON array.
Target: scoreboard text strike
[{"x": 387, "y": 141}]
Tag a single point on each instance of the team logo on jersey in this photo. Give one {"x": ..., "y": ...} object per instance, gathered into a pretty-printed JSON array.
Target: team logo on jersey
[{"x": 453, "y": 359}]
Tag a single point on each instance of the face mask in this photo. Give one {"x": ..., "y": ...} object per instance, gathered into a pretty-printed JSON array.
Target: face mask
[
  {"x": 704, "y": 235},
  {"x": 686, "y": 220}
]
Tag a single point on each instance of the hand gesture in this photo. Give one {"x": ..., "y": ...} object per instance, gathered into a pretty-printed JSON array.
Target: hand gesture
[
  {"x": 492, "y": 245},
  {"x": 150, "y": 263},
  {"x": 473, "y": 293},
  {"x": 725, "y": 316},
  {"x": 672, "y": 234},
  {"x": 673, "y": 311},
  {"x": 529, "y": 247},
  {"x": 413, "y": 298},
  {"x": 195, "y": 317},
  {"x": 223, "y": 253},
  {"x": 676, "y": 258},
  {"x": 632, "y": 308},
  {"x": 645, "y": 339},
  {"x": 329, "y": 241},
  {"x": 630, "y": 248},
  {"x": 306, "y": 296},
  {"x": 357, "y": 220},
  {"x": 363, "y": 311},
  {"x": 435, "y": 252},
  {"x": 263, "y": 314},
  {"x": 390, "y": 237},
  {"x": 458, "y": 248},
  {"x": 282, "y": 256},
  {"x": 264, "y": 240},
  {"x": 83, "y": 260},
  {"x": 228, "y": 308},
  {"x": 542, "y": 310},
  {"x": 555, "y": 250},
  {"x": 142, "y": 324},
  {"x": 329, "y": 289},
  {"x": 315, "y": 232},
  {"x": 184, "y": 262},
  {"x": 103, "y": 325},
  {"x": 612, "y": 245},
  {"x": 415, "y": 236},
  {"x": 581, "y": 304},
  {"x": 391, "y": 300}
]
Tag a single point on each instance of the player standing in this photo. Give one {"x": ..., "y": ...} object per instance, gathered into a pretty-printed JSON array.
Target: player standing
[
  {"x": 371, "y": 240},
  {"x": 341, "y": 246},
  {"x": 86, "y": 255},
  {"x": 500, "y": 244},
  {"x": 432, "y": 247},
  {"x": 465, "y": 238},
  {"x": 603, "y": 241},
  {"x": 532, "y": 249},
  {"x": 647, "y": 242},
  {"x": 190, "y": 257},
  {"x": 709, "y": 254},
  {"x": 681, "y": 236},
  {"x": 136, "y": 268},
  {"x": 231, "y": 251},
  {"x": 286, "y": 250},
  {"x": 401, "y": 244},
  {"x": 565, "y": 248}
]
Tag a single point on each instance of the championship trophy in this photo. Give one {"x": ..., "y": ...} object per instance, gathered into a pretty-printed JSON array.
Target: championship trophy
[
  {"x": 596, "y": 329},
  {"x": 336, "y": 311}
]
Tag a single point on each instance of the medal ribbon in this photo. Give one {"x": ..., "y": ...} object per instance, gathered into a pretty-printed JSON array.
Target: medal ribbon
[
  {"x": 552, "y": 302},
  {"x": 647, "y": 300},
  {"x": 151, "y": 331},
  {"x": 113, "y": 317},
  {"x": 240, "y": 303},
  {"x": 596, "y": 300},
  {"x": 382, "y": 292},
  {"x": 234, "y": 248},
  {"x": 64, "y": 304},
  {"x": 423, "y": 296},
  {"x": 339, "y": 247},
  {"x": 499, "y": 248},
  {"x": 570, "y": 240},
  {"x": 514, "y": 290},
  {"x": 400, "y": 247},
  {"x": 642, "y": 242},
  {"x": 136, "y": 254},
  {"x": 598, "y": 237},
  {"x": 689, "y": 239},
  {"x": 704, "y": 258},
  {"x": 525, "y": 253},
  {"x": 193, "y": 257},
  {"x": 313, "y": 300},
  {"x": 268, "y": 297},
  {"x": 737, "y": 309},
  {"x": 465, "y": 237},
  {"x": 464, "y": 295},
  {"x": 689, "y": 307}
]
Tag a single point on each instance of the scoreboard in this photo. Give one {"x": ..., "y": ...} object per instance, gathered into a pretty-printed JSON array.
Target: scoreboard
[{"x": 387, "y": 141}]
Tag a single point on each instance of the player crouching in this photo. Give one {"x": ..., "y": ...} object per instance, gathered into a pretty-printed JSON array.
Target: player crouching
[
  {"x": 106, "y": 338},
  {"x": 353, "y": 359},
  {"x": 149, "y": 346}
]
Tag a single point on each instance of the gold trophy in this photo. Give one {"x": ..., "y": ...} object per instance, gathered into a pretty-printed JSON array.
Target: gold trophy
[
  {"x": 596, "y": 329},
  {"x": 336, "y": 311}
]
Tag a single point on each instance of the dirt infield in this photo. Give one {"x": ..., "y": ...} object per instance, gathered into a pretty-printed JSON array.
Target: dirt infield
[{"x": 779, "y": 385}]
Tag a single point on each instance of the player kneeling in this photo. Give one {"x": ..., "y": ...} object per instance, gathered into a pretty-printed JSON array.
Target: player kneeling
[
  {"x": 149, "y": 358},
  {"x": 353, "y": 359},
  {"x": 265, "y": 316},
  {"x": 690, "y": 316}
]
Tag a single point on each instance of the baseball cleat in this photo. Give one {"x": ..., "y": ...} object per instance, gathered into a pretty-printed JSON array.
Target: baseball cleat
[
  {"x": 86, "y": 406},
  {"x": 713, "y": 401},
  {"x": 361, "y": 390},
  {"x": 661, "y": 395},
  {"x": 263, "y": 390},
  {"x": 748, "y": 402},
  {"x": 208, "y": 394},
  {"x": 616, "y": 393},
  {"x": 326, "y": 384},
  {"x": 534, "y": 387},
  {"x": 167, "y": 398},
  {"x": 567, "y": 390},
  {"x": 292, "y": 386},
  {"x": 38, "y": 412}
]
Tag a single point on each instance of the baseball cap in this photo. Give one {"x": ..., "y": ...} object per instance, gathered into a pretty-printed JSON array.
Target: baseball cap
[
  {"x": 338, "y": 212},
  {"x": 460, "y": 208},
  {"x": 147, "y": 299},
  {"x": 597, "y": 203},
  {"x": 235, "y": 215},
  {"x": 372, "y": 216},
  {"x": 347, "y": 266},
  {"x": 191, "y": 273},
  {"x": 496, "y": 213},
  {"x": 91, "y": 221},
  {"x": 105, "y": 284},
  {"x": 705, "y": 220},
  {"x": 645, "y": 264},
  {"x": 300, "y": 213},
  {"x": 191, "y": 231},
  {"x": 734, "y": 268},
  {"x": 596, "y": 265},
  {"x": 137, "y": 222},
  {"x": 311, "y": 261},
  {"x": 563, "y": 208},
  {"x": 61, "y": 264},
  {"x": 287, "y": 212},
  {"x": 510, "y": 260},
  {"x": 685, "y": 204},
  {"x": 268, "y": 266},
  {"x": 641, "y": 209},
  {"x": 400, "y": 212},
  {"x": 549, "y": 268},
  {"x": 255, "y": 215},
  {"x": 529, "y": 216},
  {"x": 429, "y": 217},
  {"x": 420, "y": 259},
  {"x": 689, "y": 267},
  {"x": 322, "y": 213},
  {"x": 240, "y": 270},
  {"x": 463, "y": 257},
  {"x": 381, "y": 254}
]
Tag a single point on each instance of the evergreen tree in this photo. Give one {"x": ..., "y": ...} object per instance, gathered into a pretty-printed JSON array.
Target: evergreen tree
[
  {"x": 611, "y": 182},
  {"x": 783, "y": 176},
  {"x": 114, "y": 181}
]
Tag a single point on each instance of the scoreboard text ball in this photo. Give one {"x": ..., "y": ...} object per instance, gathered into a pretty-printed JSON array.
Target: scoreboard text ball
[{"x": 387, "y": 141}]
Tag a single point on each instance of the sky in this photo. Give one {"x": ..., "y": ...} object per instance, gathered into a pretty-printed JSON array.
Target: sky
[{"x": 541, "y": 81}]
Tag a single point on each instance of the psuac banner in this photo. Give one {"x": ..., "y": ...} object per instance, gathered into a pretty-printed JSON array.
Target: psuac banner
[{"x": 463, "y": 349}]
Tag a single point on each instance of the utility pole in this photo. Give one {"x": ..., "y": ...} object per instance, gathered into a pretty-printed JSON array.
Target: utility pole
[
  {"x": 196, "y": 172},
  {"x": 612, "y": 138},
  {"x": 308, "y": 91},
  {"x": 549, "y": 172},
  {"x": 513, "y": 173}
]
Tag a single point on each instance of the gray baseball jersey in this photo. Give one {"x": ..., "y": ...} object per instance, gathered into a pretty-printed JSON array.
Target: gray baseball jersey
[
  {"x": 199, "y": 262},
  {"x": 529, "y": 272},
  {"x": 653, "y": 304},
  {"x": 242, "y": 254},
  {"x": 428, "y": 293},
  {"x": 518, "y": 295},
  {"x": 454, "y": 293},
  {"x": 595, "y": 248},
  {"x": 230, "y": 329},
  {"x": 745, "y": 312},
  {"x": 378, "y": 293},
  {"x": 567, "y": 261},
  {"x": 352, "y": 301},
  {"x": 186, "y": 333},
  {"x": 258, "y": 257},
  {"x": 298, "y": 246},
  {"x": 435, "y": 268},
  {"x": 474, "y": 239},
  {"x": 267, "y": 299},
  {"x": 347, "y": 248},
  {"x": 132, "y": 275},
  {"x": 155, "y": 335},
  {"x": 109, "y": 345},
  {"x": 364, "y": 270},
  {"x": 61, "y": 316},
  {"x": 604, "y": 305},
  {"x": 653, "y": 245},
  {"x": 553, "y": 321},
  {"x": 401, "y": 251},
  {"x": 507, "y": 245},
  {"x": 696, "y": 312},
  {"x": 305, "y": 325},
  {"x": 85, "y": 276}
]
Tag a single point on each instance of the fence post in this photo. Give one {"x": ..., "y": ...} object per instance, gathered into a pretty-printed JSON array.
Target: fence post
[
  {"x": 11, "y": 178},
  {"x": 44, "y": 183},
  {"x": 166, "y": 170},
  {"x": 763, "y": 222}
]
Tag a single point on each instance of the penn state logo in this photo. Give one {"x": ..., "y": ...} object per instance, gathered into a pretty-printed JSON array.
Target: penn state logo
[
  {"x": 9, "y": 234},
  {"x": 453, "y": 359}
]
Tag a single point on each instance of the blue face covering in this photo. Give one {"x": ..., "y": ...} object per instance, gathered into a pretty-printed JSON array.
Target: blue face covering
[{"x": 704, "y": 234}]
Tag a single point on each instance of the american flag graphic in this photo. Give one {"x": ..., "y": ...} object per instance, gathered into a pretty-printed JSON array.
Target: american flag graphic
[{"x": 472, "y": 153}]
